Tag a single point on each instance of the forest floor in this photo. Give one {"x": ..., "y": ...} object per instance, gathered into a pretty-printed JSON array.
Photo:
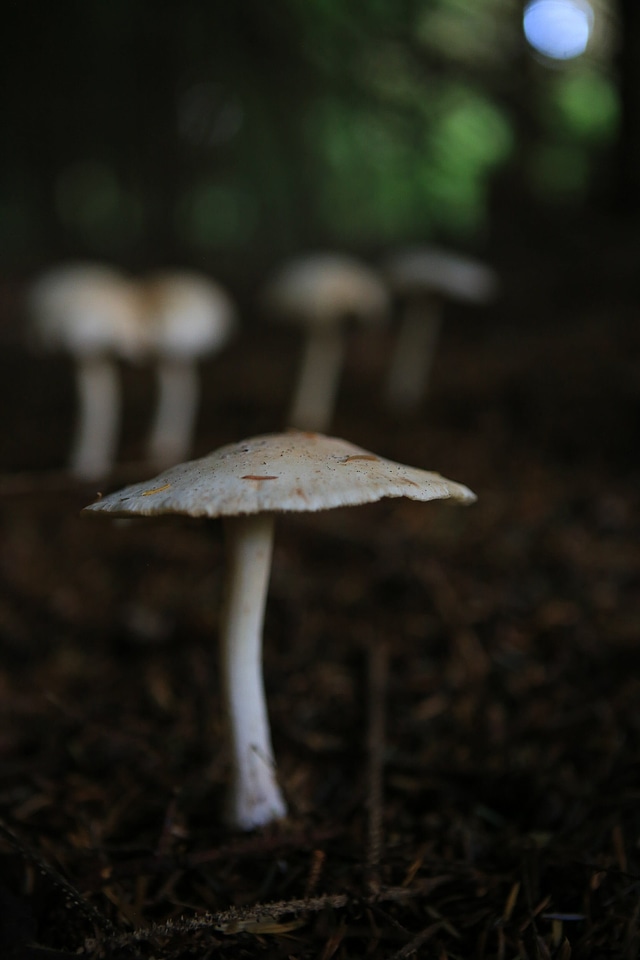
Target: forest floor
[{"x": 454, "y": 692}]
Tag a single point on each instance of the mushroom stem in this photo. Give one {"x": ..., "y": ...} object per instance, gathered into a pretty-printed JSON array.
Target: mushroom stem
[
  {"x": 414, "y": 352},
  {"x": 317, "y": 385},
  {"x": 254, "y": 797},
  {"x": 95, "y": 439},
  {"x": 176, "y": 409}
]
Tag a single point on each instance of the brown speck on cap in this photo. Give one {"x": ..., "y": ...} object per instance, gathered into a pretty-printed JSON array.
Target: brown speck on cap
[{"x": 150, "y": 493}]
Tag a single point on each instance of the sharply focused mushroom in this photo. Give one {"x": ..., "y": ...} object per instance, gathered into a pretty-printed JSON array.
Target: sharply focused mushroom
[
  {"x": 91, "y": 312},
  {"x": 423, "y": 278},
  {"x": 320, "y": 292},
  {"x": 188, "y": 316},
  {"x": 246, "y": 484}
]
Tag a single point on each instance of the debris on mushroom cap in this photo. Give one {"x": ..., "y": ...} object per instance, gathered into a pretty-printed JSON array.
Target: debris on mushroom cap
[
  {"x": 324, "y": 287},
  {"x": 291, "y": 471},
  {"x": 420, "y": 269},
  {"x": 187, "y": 314},
  {"x": 87, "y": 309}
]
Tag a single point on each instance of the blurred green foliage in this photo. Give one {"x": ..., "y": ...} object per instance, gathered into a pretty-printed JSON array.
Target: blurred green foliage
[
  {"x": 578, "y": 111},
  {"x": 587, "y": 105},
  {"x": 208, "y": 131}
]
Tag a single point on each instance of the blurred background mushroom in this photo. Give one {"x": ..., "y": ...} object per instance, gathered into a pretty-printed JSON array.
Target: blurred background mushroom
[
  {"x": 423, "y": 279},
  {"x": 322, "y": 293},
  {"x": 188, "y": 317},
  {"x": 92, "y": 313}
]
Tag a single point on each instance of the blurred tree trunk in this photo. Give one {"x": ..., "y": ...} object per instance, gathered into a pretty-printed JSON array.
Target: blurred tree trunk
[{"x": 627, "y": 188}]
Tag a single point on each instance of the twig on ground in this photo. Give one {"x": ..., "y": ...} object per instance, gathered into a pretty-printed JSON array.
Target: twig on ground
[{"x": 377, "y": 685}]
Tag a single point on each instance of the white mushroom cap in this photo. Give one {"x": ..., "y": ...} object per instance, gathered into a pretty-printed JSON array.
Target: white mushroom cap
[
  {"x": 324, "y": 288},
  {"x": 188, "y": 315},
  {"x": 292, "y": 471},
  {"x": 87, "y": 309},
  {"x": 425, "y": 269}
]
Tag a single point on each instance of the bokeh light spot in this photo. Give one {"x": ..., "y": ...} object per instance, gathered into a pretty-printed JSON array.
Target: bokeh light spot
[{"x": 558, "y": 29}]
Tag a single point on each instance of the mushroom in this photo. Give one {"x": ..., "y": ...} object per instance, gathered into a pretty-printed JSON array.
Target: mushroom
[
  {"x": 92, "y": 312},
  {"x": 188, "y": 317},
  {"x": 246, "y": 484},
  {"x": 320, "y": 292},
  {"x": 423, "y": 278}
]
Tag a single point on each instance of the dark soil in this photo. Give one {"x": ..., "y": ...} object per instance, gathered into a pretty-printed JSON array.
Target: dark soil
[{"x": 454, "y": 693}]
